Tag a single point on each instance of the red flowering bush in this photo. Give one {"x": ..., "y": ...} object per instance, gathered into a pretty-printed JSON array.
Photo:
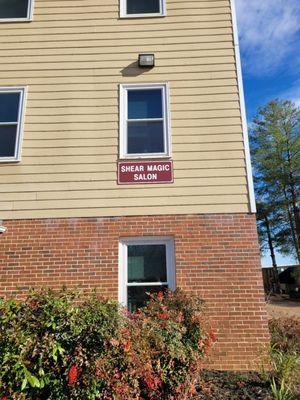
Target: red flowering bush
[
  {"x": 54, "y": 347},
  {"x": 285, "y": 334}
]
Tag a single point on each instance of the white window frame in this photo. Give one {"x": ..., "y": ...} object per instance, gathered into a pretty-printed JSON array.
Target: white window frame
[
  {"x": 123, "y": 11},
  {"x": 20, "y": 122},
  {"x": 27, "y": 19},
  {"x": 123, "y": 113},
  {"x": 123, "y": 263}
]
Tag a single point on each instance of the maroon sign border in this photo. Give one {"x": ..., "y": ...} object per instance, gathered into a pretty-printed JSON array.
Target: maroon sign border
[{"x": 144, "y": 162}]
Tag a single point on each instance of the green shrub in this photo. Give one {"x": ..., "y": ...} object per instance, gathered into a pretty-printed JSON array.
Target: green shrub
[
  {"x": 285, "y": 358},
  {"x": 285, "y": 334},
  {"x": 54, "y": 347}
]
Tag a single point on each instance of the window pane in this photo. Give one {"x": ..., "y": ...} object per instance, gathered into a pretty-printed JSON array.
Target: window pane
[
  {"x": 13, "y": 8},
  {"x": 8, "y": 135},
  {"x": 9, "y": 106},
  {"x": 147, "y": 263},
  {"x": 137, "y": 295},
  {"x": 143, "y": 6},
  {"x": 145, "y": 137},
  {"x": 144, "y": 104}
]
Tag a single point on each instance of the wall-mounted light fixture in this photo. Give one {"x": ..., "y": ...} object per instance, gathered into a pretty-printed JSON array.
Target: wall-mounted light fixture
[{"x": 146, "y": 60}]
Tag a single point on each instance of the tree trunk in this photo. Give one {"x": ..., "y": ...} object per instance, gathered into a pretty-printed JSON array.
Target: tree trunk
[
  {"x": 276, "y": 285},
  {"x": 292, "y": 225}
]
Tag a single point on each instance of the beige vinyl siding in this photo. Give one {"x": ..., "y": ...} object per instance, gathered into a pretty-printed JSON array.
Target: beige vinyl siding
[{"x": 72, "y": 57}]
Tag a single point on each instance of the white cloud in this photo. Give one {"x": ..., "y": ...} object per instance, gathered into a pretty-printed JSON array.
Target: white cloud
[
  {"x": 293, "y": 93},
  {"x": 269, "y": 32}
]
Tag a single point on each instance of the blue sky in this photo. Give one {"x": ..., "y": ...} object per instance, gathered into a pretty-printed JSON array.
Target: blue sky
[{"x": 270, "y": 49}]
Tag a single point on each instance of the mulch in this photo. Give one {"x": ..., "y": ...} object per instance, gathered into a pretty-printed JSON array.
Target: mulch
[{"x": 219, "y": 385}]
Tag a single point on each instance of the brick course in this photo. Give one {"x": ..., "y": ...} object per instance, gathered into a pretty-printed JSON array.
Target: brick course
[{"x": 217, "y": 257}]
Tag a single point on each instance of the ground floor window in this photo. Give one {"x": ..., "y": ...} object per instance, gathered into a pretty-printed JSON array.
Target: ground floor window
[{"x": 146, "y": 265}]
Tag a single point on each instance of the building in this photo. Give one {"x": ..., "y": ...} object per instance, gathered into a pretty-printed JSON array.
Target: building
[{"x": 124, "y": 177}]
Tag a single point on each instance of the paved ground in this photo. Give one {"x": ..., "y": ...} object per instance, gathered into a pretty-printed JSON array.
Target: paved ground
[{"x": 283, "y": 307}]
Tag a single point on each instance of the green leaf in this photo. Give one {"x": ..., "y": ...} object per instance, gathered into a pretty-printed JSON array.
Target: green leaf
[{"x": 24, "y": 384}]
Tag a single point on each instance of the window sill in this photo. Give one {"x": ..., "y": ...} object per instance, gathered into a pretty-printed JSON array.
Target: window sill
[
  {"x": 7, "y": 20},
  {"x": 145, "y": 158},
  {"x": 142, "y": 16},
  {"x": 9, "y": 160}
]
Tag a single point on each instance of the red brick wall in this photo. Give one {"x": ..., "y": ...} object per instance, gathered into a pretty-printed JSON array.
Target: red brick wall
[{"x": 217, "y": 257}]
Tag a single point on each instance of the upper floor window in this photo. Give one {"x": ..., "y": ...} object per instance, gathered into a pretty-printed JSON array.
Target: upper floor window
[
  {"x": 16, "y": 10},
  {"x": 144, "y": 121},
  {"x": 11, "y": 123},
  {"x": 142, "y": 8}
]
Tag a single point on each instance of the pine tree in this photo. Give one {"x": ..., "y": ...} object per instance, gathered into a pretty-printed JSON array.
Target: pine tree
[{"x": 275, "y": 142}]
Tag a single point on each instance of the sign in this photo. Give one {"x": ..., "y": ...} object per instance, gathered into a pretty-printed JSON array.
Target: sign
[{"x": 143, "y": 172}]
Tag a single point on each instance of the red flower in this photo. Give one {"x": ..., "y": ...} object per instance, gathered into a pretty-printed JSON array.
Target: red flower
[
  {"x": 212, "y": 336},
  {"x": 73, "y": 375},
  {"x": 163, "y": 315},
  {"x": 160, "y": 296},
  {"x": 4, "y": 398},
  {"x": 152, "y": 382},
  {"x": 127, "y": 346}
]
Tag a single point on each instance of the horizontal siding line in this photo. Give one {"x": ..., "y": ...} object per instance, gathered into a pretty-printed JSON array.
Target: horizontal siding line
[
  {"x": 109, "y": 129},
  {"x": 131, "y": 35},
  {"x": 115, "y": 139},
  {"x": 116, "y": 105},
  {"x": 160, "y": 55},
  {"x": 188, "y": 168},
  {"x": 109, "y": 181},
  {"x": 90, "y": 29},
  {"x": 51, "y": 210},
  {"x": 164, "y": 187},
  {"x": 129, "y": 59},
  {"x": 211, "y": 81},
  {"x": 109, "y": 163},
  {"x": 113, "y": 97},
  {"x": 109, "y": 15},
  {"x": 116, "y": 147},
  {"x": 113, "y": 49},
  {"x": 115, "y": 8},
  {"x": 143, "y": 189},
  {"x": 112, "y": 39},
  {"x": 126, "y": 23},
  {"x": 93, "y": 62},
  {"x": 172, "y": 19},
  {"x": 113, "y": 14},
  {"x": 116, "y": 136},
  {"x": 208, "y": 110},
  {"x": 85, "y": 83},
  {"x": 121, "y": 211},
  {"x": 154, "y": 188},
  {"x": 116, "y": 120},
  {"x": 131, "y": 50},
  {"x": 106, "y": 32},
  {"x": 41, "y": 201},
  {"x": 85, "y": 69},
  {"x": 238, "y": 146},
  {"x": 78, "y": 2},
  {"x": 102, "y": 162},
  {"x": 101, "y": 181}
]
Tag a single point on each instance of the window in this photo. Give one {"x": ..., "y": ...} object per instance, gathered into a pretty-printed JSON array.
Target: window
[
  {"x": 142, "y": 8},
  {"x": 146, "y": 265},
  {"x": 144, "y": 121},
  {"x": 19, "y": 10},
  {"x": 11, "y": 122}
]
